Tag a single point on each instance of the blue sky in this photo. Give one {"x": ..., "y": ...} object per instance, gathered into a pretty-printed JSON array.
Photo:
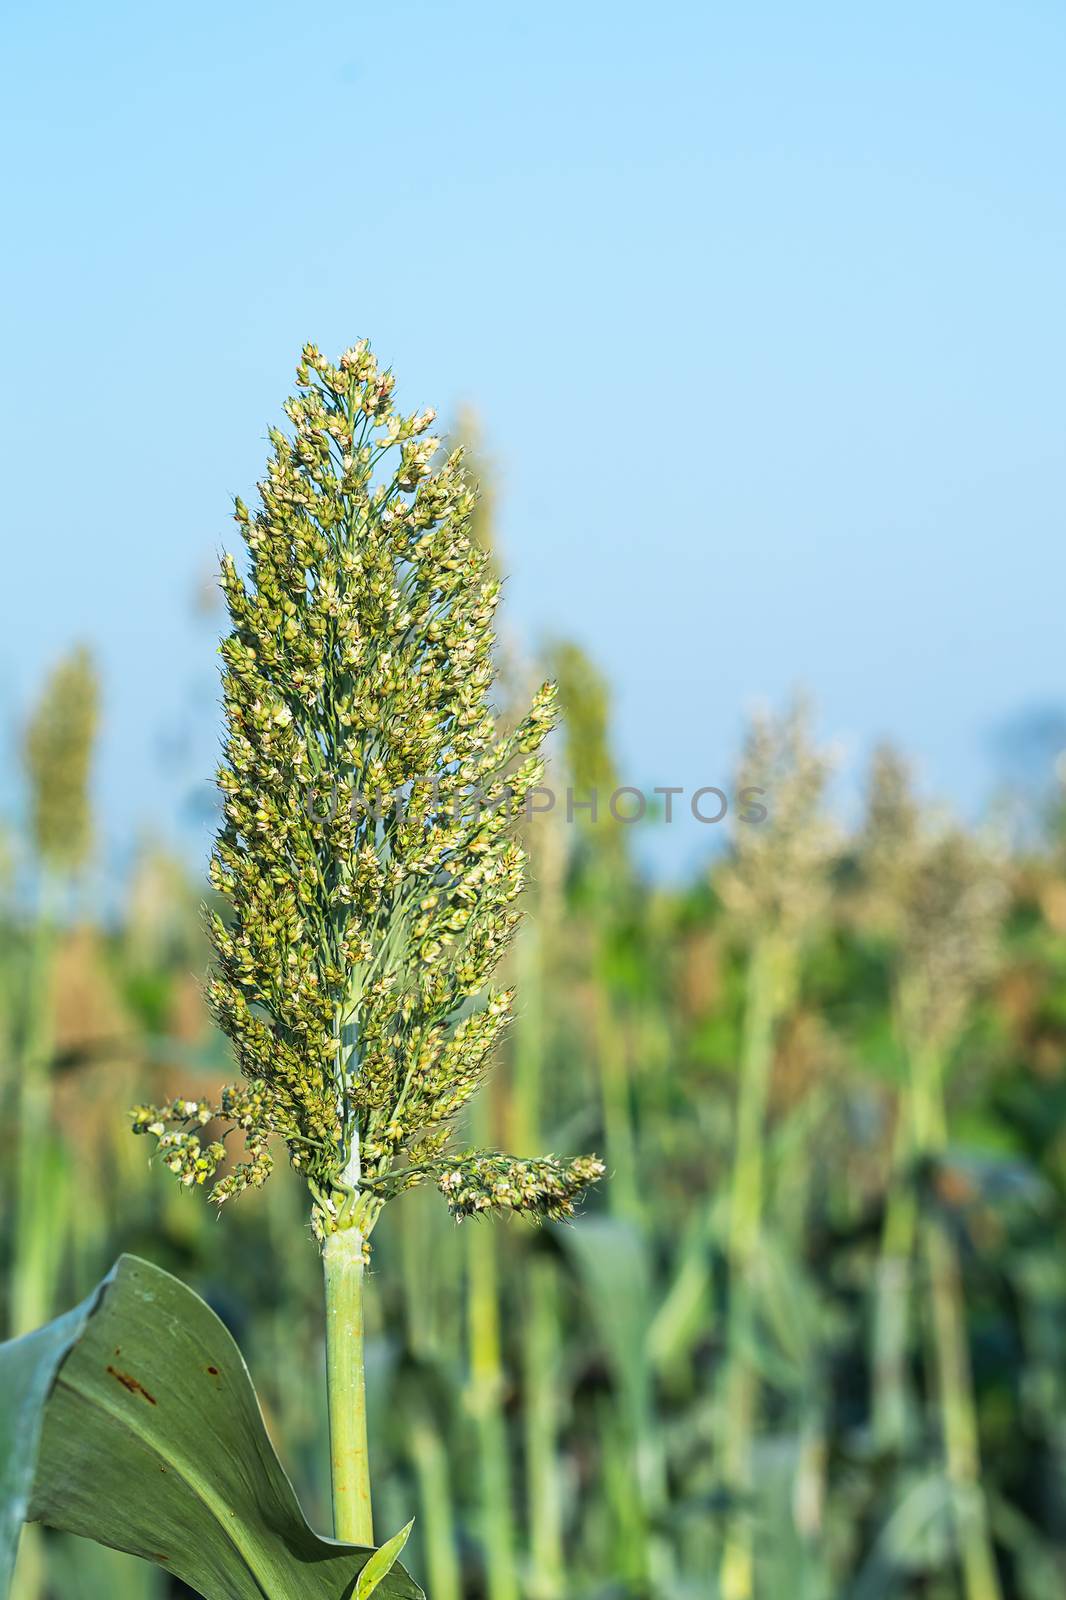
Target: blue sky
[{"x": 760, "y": 307}]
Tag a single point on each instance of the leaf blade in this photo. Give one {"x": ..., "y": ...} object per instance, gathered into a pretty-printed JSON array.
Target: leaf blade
[
  {"x": 153, "y": 1442},
  {"x": 381, "y": 1563},
  {"x": 27, "y": 1372}
]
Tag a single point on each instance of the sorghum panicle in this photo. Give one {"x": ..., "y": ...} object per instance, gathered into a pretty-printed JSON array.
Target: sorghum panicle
[
  {"x": 58, "y": 754},
  {"x": 367, "y": 852},
  {"x": 939, "y": 894},
  {"x": 778, "y": 879}
]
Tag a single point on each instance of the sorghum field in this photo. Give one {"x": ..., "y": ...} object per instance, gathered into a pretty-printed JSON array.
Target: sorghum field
[{"x": 804, "y": 1339}]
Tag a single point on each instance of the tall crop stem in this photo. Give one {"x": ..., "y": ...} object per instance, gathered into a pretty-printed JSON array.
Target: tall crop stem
[
  {"x": 892, "y": 1295},
  {"x": 33, "y": 1270},
  {"x": 959, "y": 1416},
  {"x": 486, "y": 1393},
  {"x": 745, "y": 1227},
  {"x": 958, "y": 1404},
  {"x": 342, "y": 1259}
]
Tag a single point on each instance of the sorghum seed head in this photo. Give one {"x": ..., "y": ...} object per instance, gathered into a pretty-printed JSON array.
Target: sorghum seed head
[{"x": 367, "y": 850}]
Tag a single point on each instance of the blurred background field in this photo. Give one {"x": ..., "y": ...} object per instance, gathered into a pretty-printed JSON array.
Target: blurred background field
[
  {"x": 807, "y": 1338},
  {"x": 762, "y": 309}
]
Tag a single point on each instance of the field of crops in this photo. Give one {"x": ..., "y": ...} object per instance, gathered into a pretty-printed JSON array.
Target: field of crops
[{"x": 806, "y": 1337}]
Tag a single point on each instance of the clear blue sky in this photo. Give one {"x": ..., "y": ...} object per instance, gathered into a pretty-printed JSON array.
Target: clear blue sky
[{"x": 761, "y": 307}]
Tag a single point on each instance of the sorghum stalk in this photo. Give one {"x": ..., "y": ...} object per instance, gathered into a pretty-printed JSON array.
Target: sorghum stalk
[
  {"x": 888, "y": 850},
  {"x": 942, "y": 898},
  {"x": 774, "y": 890},
  {"x": 343, "y": 1265},
  {"x": 542, "y": 1362},
  {"x": 422, "y": 1260},
  {"x": 58, "y": 756},
  {"x": 951, "y": 1350},
  {"x": 950, "y": 1347},
  {"x": 603, "y": 873},
  {"x": 540, "y": 1335},
  {"x": 487, "y": 1383},
  {"x": 955, "y": 1382},
  {"x": 745, "y": 1219},
  {"x": 891, "y": 1300},
  {"x": 437, "y": 1521},
  {"x": 36, "y": 1234},
  {"x": 367, "y": 853}
]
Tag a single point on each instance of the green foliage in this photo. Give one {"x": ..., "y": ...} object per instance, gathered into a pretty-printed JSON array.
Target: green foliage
[
  {"x": 28, "y": 1368},
  {"x": 814, "y": 1315},
  {"x": 381, "y": 1563},
  {"x": 132, "y": 1421}
]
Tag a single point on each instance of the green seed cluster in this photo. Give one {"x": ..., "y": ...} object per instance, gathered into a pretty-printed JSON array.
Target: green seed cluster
[
  {"x": 367, "y": 853},
  {"x": 491, "y": 1182},
  {"x": 939, "y": 895},
  {"x": 777, "y": 880}
]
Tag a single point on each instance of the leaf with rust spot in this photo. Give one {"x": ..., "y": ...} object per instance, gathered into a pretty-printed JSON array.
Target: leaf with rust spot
[
  {"x": 132, "y": 1385},
  {"x": 148, "y": 1458}
]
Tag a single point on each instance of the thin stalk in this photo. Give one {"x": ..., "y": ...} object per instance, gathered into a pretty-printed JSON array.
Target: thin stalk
[
  {"x": 959, "y": 1416},
  {"x": 892, "y": 1294},
  {"x": 541, "y": 1362},
  {"x": 422, "y": 1248},
  {"x": 737, "y": 1576},
  {"x": 434, "y": 1474},
  {"x": 342, "y": 1260},
  {"x": 958, "y": 1407},
  {"x": 628, "y": 1549},
  {"x": 37, "y": 1238},
  {"x": 39, "y": 1187},
  {"x": 540, "y": 1333},
  {"x": 485, "y": 1397}
]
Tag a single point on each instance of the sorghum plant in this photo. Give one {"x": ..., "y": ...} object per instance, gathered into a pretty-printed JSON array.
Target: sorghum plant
[
  {"x": 57, "y": 756},
  {"x": 367, "y": 852},
  {"x": 601, "y": 870},
  {"x": 940, "y": 895},
  {"x": 57, "y": 753},
  {"x": 775, "y": 889}
]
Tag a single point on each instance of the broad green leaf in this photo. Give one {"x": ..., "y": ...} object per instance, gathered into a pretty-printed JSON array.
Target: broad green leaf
[
  {"x": 381, "y": 1563},
  {"x": 153, "y": 1443},
  {"x": 79, "y": 1569},
  {"x": 27, "y": 1370}
]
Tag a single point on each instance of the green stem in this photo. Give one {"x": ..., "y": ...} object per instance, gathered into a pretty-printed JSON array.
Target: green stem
[
  {"x": 958, "y": 1406},
  {"x": 487, "y": 1384},
  {"x": 891, "y": 1309},
  {"x": 486, "y": 1391},
  {"x": 541, "y": 1361},
  {"x": 741, "y": 1397},
  {"x": 343, "y": 1265},
  {"x": 36, "y": 1233},
  {"x": 439, "y": 1543},
  {"x": 959, "y": 1416},
  {"x": 540, "y": 1334}
]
